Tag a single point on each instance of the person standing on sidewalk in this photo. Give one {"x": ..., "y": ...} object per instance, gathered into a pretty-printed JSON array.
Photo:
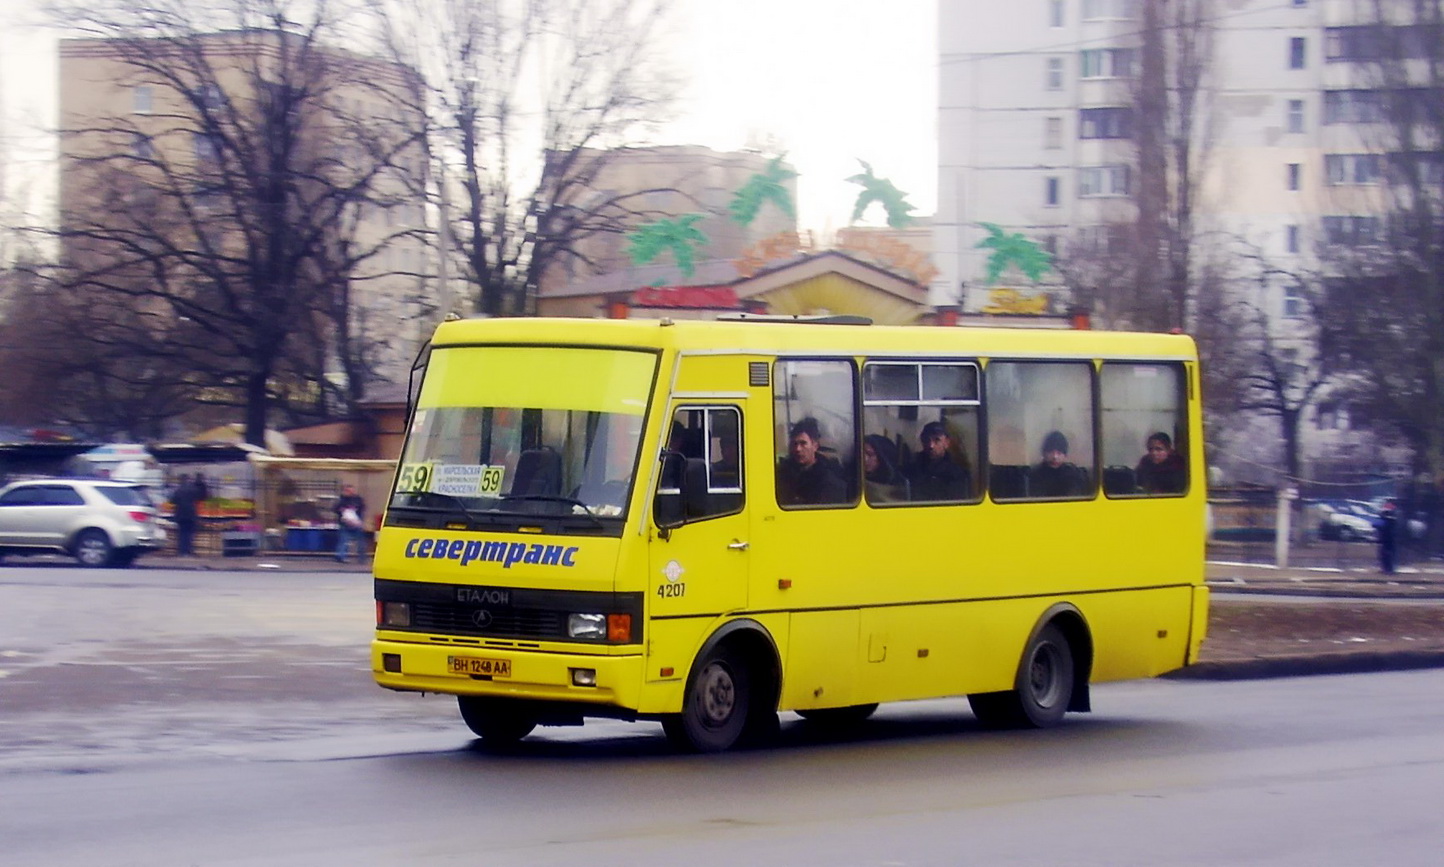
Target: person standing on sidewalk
[
  {"x": 1386, "y": 527},
  {"x": 183, "y": 502},
  {"x": 350, "y": 523}
]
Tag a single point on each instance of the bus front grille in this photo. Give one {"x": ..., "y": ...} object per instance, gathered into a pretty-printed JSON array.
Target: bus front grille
[{"x": 501, "y": 623}]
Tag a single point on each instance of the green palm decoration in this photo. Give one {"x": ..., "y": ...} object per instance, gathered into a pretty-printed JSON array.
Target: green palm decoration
[
  {"x": 1013, "y": 248},
  {"x": 676, "y": 234},
  {"x": 761, "y": 188},
  {"x": 881, "y": 190}
]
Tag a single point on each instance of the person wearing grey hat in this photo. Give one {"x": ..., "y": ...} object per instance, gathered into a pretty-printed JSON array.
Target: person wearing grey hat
[
  {"x": 936, "y": 477},
  {"x": 1055, "y": 475}
]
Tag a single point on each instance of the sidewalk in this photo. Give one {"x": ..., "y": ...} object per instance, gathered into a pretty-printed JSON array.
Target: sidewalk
[
  {"x": 1270, "y": 622},
  {"x": 273, "y": 561},
  {"x": 1423, "y": 580}
]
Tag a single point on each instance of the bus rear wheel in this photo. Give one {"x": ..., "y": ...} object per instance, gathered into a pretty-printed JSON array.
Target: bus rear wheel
[
  {"x": 1044, "y": 686},
  {"x": 716, "y": 706},
  {"x": 498, "y": 722}
]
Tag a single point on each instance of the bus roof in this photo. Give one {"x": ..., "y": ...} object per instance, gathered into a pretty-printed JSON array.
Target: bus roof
[{"x": 788, "y": 338}]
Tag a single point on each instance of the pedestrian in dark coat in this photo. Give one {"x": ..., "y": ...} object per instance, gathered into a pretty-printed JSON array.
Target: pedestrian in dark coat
[
  {"x": 1386, "y": 526},
  {"x": 184, "y": 500}
]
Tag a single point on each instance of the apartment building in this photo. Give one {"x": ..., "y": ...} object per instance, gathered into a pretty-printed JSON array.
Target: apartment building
[
  {"x": 133, "y": 147},
  {"x": 1038, "y": 113},
  {"x": 1036, "y": 127}
]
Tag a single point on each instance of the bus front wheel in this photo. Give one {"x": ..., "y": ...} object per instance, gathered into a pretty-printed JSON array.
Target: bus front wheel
[
  {"x": 1044, "y": 686},
  {"x": 499, "y": 723},
  {"x": 716, "y": 706}
]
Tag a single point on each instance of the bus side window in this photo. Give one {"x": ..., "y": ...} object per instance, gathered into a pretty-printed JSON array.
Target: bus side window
[
  {"x": 921, "y": 419},
  {"x": 816, "y": 433},
  {"x": 1040, "y": 430},
  {"x": 1144, "y": 429}
]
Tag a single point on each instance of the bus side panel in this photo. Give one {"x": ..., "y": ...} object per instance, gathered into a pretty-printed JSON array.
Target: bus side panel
[
  {"x": 675, "y": 644},
  {"x": 671, "y": 644},
  {"x": 1140, "y": 633},
  {"x": 1199, "y": 629},
  {"x": 932, "y": 650},
  {"x": 822, "y": 660}
]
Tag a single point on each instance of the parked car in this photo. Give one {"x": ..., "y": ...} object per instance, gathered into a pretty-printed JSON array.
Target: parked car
[
  {"x": 99, "y": 523},
  {"x": 1346, "y": 521}
]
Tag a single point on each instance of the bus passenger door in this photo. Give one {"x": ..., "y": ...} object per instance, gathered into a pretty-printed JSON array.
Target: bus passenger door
[{"x": 701, "y": 566}]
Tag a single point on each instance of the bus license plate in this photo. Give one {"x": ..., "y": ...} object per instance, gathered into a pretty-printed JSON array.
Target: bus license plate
[{"x": 480, "y": 665}]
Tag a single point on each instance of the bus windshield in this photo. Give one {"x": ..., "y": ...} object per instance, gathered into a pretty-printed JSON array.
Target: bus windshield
[{"x": 540, "y": 431}]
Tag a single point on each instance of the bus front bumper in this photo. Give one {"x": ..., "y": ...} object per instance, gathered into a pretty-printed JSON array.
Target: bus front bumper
[{"x": 509, "y": 672}]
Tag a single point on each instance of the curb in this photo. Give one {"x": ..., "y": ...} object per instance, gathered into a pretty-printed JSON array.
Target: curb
[
  {"x": 1358, "y": 662},
  {"x": 1430, "y": 592}
]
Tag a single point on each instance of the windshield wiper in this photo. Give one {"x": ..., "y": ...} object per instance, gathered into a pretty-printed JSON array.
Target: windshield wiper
[
  {"x": 571, "y": 501},
  {"x": 458, "y": 501}
]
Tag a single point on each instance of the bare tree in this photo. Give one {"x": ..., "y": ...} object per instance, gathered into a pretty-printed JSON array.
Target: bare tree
[
  {"x": 1275, "y": 367},
  {"x": 528, "y": 99},
  {"x": 225, "y": 222}
]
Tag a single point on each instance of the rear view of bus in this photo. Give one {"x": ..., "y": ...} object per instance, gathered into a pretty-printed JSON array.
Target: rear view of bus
[{"x": 495, "y": 566}]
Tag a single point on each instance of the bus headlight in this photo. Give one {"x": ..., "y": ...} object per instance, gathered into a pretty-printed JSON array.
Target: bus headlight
[
  {"x": 393, "y": 614},
  {"x": 589, "y": 627}
]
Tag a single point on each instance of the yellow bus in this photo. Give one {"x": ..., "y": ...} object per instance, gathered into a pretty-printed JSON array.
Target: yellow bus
[{"x": 707, "y": 523}]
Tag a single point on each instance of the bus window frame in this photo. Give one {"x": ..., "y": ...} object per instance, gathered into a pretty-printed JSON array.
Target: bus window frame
[
  {"x": 943, "y": 405},
  {"x": 852, "y": 480},
  {"x": 1094, "y": 428}
]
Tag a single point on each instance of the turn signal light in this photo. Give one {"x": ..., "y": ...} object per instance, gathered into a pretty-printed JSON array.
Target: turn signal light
[{"x": 619, "y": 627}]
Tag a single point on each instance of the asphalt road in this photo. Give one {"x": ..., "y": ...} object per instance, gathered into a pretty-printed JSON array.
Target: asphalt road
[{"x": 156, "y": 718}]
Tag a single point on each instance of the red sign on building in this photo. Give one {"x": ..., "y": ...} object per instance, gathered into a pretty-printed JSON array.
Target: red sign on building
[{"x": 694, "y": 297}]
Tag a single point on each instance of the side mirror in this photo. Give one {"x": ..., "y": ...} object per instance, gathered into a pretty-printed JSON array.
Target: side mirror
[
  {"x": 667, "y": 509},
  {"x": 694, "y": 488}
]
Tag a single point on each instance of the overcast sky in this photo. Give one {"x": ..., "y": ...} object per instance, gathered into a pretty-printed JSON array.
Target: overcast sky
[
  {"x": 832, "y": 80},
  {"x": 835, "y": 80}
]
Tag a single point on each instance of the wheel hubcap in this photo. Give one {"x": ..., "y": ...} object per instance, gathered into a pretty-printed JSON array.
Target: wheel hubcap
[
  {"x": 1043, "y": 676},
  {"x": 719, "y": 698}
]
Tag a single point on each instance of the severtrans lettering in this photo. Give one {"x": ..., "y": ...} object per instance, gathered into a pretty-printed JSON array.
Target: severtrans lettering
[{"x": 507, "y": 554}]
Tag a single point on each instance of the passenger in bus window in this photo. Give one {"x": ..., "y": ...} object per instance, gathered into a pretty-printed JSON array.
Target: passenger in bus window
[
  {"x": 936, "y": 476},
  {"x": 883, "y": 481},
  {"x": 1055, "y": 475},
  {"x": 727, "y": 469},
  {"x": 1162, "y": 470},
  {"x": 805, "y": 477}
]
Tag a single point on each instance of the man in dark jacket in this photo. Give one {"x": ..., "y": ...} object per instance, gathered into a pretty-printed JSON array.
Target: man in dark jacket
[
  {"x": 936, "y": 477},
  {"x": 184, "y": 500},
  {"x": 350, "y": 523},
  {"x": 1386, "y": 525},
  {"x": 806, "y": 478}
]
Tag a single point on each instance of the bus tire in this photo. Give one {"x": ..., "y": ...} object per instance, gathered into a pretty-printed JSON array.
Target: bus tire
[
  {"x": 716, "y": 705},
  {"x": 497, "y": 722},
  {"x": 1043, "y": 691},
  {"x": 839, "y": 716}
]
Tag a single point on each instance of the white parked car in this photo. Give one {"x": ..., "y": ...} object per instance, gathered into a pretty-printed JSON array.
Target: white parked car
[
  {"x": 99, "y": 523},
  {"x": 1346, "y": 521}
]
